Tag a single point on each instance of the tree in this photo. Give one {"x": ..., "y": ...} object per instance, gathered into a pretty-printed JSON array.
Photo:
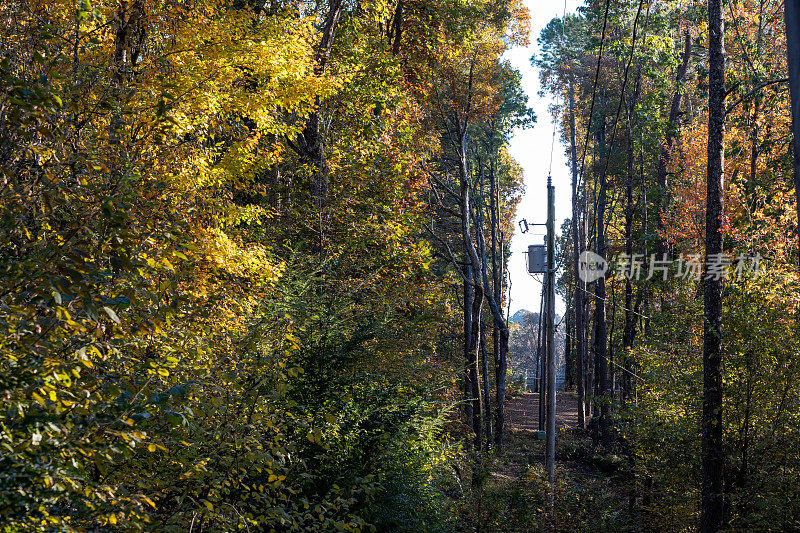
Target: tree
[{"x": 713, "y": 455}]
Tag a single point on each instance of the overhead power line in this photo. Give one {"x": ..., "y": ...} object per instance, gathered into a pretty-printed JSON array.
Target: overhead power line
[
  {"x": 594, "y": 88},
  {"x": 624, "y": 84}
]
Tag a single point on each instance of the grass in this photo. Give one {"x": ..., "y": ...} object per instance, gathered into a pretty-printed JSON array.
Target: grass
[{"x": 594, "y": 490}]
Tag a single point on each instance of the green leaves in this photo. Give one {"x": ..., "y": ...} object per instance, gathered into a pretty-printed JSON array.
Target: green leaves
[{"x": 170, "y": 350}]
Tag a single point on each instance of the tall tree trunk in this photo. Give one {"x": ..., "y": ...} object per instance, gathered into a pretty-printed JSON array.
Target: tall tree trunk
[
  {"x": 611, "y": 373},
  {"x": 577, "y": 249},
  {"x": 569, "y": 353},
  {"x": 129, "y": 36},
  {"x": 475, "y": 279},
  {"x": 487, "y": 402},
  {"x": 310, "y": 140},
  {"x": 744, "y": 465},
  {"x": 588, "y": 373},
  {"x": 712, "y": 458},
  {"x": 792, "y": 17},
  {"x": 469, "y": 297},
  {"x": 600, "y": 325},
  {"x": 644, "y": 294},
  {"x": 539, "y": 320},
  {"x": 629, "y": 331},
  {"x": 501, "y": 362},
  {"x": 673, "y": 129},
  {"x": 542, "y": 359},
  {"x": 474, "y": 368},
  {"x": 396, "y": 28}
]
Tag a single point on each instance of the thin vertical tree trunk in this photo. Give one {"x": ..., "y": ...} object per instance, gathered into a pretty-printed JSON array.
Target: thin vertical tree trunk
[
  {"x": 711, "y": 518},
  {"x": 792, "y": 18},
  {"x": 629, "y": 331},
  {"x": 475, "y": 280},
  {"x": 539, "y": 343},
  {"x": 744, "y": 465},
  {"x": 474, "y": 369},
  {"x": 542, "y": 359},
  {"x": 673, "y": 129},
  {"x": 310, "y": 140},
  {"x": 497, "y": 285},
  {"x": 600, "y": 325},
  {"x": 469, "y": 296},
  {"x": 396, "y": 28},
  {"x": 569, "y": 352},
  {"x": 480, "y": 218},
  {"x": 588, "y": 374},
  {"x": 129, "y": 37},
  {"x": 578, "y": 248},
  {"x": 487, "y": 410},
  {"x": 644, "y": 294},
  {"x": 613, "y": 321}
]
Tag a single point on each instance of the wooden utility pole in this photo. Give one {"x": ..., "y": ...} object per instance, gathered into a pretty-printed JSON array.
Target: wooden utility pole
[
  {"x": 792, "y": 13},
  {"x": 551, "y": 359}
]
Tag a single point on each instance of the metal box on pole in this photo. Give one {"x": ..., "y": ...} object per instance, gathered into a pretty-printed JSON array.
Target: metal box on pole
[{"x": 537, "y": 258}]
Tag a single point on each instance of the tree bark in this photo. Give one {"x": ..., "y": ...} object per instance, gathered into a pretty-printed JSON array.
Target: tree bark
[
  {"x": 487, "y": 402},
  {"x": 469, "y": 297},
  {"x": 539, "y": 346},
  {"x": 792, "y": 17},
  {"x": 611, "y": 373},
  {"x": 569, "y": 354},
  {"x": 601, "y": 331},
  {"x": 501, "y": 352},
  {"x": 577, "y": 249},
  {"x": 711, "y": 518},
  {"x": 396, "y": 28},
  {"x": 475, "y": 280},
  {"x": 129, "y": 36},
  {"x": 474, "y": 369},
  {"x": 480, "y": 263},
  {"x": 629, "y": 331},
  {"x": 543, "y": 358},
  {"x": 311, "y": 140},
  {"x": 673, "y": 130}
]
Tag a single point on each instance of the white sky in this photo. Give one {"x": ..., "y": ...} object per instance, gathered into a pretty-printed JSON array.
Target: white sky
[{"x": 531, "y": 148}]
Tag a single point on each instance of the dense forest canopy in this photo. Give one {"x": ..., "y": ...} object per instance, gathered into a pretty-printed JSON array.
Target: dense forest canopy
[
  {"x": 254, "y": 268},
  {"x": 226, "y": 296}
]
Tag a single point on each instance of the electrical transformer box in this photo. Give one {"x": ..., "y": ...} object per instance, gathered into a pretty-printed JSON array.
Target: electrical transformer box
[{"x": 537, "y": 259}]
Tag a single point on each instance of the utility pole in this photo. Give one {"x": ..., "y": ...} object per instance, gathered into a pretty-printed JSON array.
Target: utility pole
[
  {"x": 792, "y": 13},
  {"x": 551, "y": 359}
]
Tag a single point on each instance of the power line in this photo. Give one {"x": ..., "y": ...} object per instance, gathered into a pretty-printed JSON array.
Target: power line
[
  {"x": 615, "y": 364},
  {"x": 615, "y": 304},
  {"x": 594, "y": 89},
  {"x": 624, "y": 84},
  {"x": 581, "y": 175},
  {"x": 558, "y": 96},
  {"x": 616, "y": 119}
]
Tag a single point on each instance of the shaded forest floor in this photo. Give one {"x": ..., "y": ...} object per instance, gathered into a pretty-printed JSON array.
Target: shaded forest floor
[
  {"x": 594, "y": 491},
  {"x": 521, "y": 425}
]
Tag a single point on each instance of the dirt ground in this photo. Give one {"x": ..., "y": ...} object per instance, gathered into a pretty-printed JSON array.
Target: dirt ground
[
  {"x": 523, "y": 412},
  {"x": 522, "y": 419}
]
